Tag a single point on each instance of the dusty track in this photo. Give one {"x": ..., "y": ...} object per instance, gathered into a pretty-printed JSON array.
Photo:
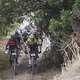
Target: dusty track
[{"x": 24, "y": 72}]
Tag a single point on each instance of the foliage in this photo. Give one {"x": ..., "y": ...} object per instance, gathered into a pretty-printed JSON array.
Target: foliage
[
  {"x": 61, "y": 27},
  {"x": 76, "y": 10},
  {"x": 14, "y": 10}
]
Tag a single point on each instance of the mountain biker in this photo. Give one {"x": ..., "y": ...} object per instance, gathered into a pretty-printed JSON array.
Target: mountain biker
[
  {"x": 24, "y": 36},
  {"x": 32, "y": 43},
  {"x": 18, "y": 37},
  {"x": 21, "y": 35},
  {"x": 39, "y": 36},
  {"x": 40, "y": 31},
  {"x": 12, "y": 45}
]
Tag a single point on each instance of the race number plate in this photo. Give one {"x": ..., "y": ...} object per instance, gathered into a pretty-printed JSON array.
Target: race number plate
[
  {"x": 32, "y": 54},
  {"x": 13, "y": 53}
]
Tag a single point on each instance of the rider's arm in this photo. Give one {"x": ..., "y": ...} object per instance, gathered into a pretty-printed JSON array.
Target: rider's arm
[
  {"x": 37, "y": 41},
  {"x": 8, "y": 43},
  {"x": 26, "y": 43}
]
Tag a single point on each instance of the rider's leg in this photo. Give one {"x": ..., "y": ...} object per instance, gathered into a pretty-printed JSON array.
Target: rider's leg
[
  {"x": 17, "y": 52},
  {"x": 16, "y": 60},
  {"x": 36, "y": 51},
  {"x": 10, "y": 60},
  {"x": 40, "y": 46}
]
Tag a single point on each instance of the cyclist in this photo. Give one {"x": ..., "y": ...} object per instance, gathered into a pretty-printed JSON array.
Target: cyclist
[
  {"x": 32, "y": 43},
  {"x": 12, "y": 45},
  {"x": 17, "y": 36},
  {"x": 40, "y": 39},
  {"x": 21, "y": 33},
  {"x": 19, "y": 39},
  {"x": 24, "y": 36},
  {"x": 40, "y": 32}
]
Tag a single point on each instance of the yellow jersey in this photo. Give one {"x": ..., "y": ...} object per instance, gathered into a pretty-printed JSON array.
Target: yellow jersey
[{"x": 31, "y": 42}]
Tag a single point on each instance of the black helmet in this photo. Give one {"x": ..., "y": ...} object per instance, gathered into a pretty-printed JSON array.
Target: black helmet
[
  {"x": 16, "y": 32},
  {"x": 12, "y": 36}
]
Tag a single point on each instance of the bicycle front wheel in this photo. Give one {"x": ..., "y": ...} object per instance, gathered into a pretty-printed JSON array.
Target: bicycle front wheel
[
  {"x": 15, "y": 66},
  {"x": 33, "y": 65}
]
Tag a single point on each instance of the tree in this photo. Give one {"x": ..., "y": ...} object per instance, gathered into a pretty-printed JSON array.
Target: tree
[{"x": 12, "y": 10}]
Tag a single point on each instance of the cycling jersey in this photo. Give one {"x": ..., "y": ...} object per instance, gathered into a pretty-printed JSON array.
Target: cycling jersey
[
  {"x": 31, "y": 42},
  {"x": 12, "y": 42}
]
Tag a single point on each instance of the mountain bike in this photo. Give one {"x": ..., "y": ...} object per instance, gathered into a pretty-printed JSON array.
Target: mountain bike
[
  {"x": 14, "y": 62},
  {"x": 33, "y": 62}
]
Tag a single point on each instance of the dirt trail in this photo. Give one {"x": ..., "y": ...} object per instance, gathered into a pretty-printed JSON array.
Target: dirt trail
[
  {"x": 72, "y": 72},
  {"x": 24, "y": 73}
]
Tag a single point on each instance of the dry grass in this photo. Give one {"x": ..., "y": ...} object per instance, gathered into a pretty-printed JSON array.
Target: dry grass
[{"x": 4, "y": 61}]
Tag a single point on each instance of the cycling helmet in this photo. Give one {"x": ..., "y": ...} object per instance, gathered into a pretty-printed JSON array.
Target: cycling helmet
[
  {"x": 12, "y": 36},
  {"x": 31, "y": 36}
]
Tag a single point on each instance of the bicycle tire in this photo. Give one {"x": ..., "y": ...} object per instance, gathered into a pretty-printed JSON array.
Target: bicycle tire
[
  {"x": 33, "y": 65},
  {"x": 14, "y": 66}
]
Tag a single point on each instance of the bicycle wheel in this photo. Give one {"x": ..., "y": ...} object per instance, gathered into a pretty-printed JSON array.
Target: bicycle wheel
[
  {"x": 33, "y": 65},
  {"x": 14, "y": 66}
]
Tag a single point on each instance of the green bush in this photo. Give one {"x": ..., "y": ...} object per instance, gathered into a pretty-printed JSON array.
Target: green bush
[{"x": 61, "y": 27}]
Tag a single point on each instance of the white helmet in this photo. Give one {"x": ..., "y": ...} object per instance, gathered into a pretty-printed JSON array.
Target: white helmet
[{"x": 31, "y": 36}]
